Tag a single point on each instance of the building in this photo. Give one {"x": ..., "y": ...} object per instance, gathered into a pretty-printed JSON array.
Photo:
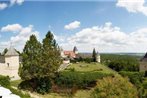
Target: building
[
  {"x": 143, "y": 63},
  {"x": 9, "y": 63},
  {"x": 12, "y": 58},
  {"x": 68, "y": 55},
  {"x": 98, "y": 57}
]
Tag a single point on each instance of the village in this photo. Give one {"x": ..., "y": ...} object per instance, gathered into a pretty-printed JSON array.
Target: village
[{"x": 11, "y": 61}]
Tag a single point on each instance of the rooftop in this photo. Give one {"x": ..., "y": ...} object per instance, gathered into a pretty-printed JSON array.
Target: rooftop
[{"x": 11, "y": 52}]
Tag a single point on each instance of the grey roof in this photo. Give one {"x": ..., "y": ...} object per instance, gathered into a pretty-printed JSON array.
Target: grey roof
[{"x": 11, "y": 52}]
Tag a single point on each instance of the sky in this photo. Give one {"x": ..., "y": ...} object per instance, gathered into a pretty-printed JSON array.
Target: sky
[{"x": 107, "y": 25}]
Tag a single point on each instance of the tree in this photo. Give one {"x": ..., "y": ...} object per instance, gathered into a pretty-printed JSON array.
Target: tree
[
  {"x": 5, "y": 51},
  {"x": 30, "y": 59},
  {"x": 51, "y": 55},
  {"x": 114, "y": 87},
  {"x": 94, "y": 55}
]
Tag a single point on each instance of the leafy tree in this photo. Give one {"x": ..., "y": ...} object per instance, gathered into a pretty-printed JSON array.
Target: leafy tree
[
  {"x": 30, "y": 59},
  {"x": 51, "y": 55},
  {"x": 94, "y": 55},
  {"x": 114, "y": 87}
]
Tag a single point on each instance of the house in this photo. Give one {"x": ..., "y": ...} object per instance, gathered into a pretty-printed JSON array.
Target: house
[
  {"x": 9, "y": 63},
  {"x": 143, "y": 63},
  {"x": 68, "y": 55}
]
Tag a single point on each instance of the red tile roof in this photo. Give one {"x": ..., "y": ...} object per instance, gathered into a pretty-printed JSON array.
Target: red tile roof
[{"x": 70, "y": 54}]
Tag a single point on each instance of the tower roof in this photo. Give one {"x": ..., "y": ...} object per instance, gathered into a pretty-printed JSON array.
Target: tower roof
[
  {"x": 11, "y": 52},
  {"x": 75, "y": 49}
]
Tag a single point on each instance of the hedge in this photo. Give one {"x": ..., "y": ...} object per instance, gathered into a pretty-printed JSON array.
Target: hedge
[{"x": 71, "y": 79}]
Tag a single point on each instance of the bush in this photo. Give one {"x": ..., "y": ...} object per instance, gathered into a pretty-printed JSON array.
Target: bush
[
  {"x": 40, "y": 85},
  {"x": 114, "y": 87},
  {"x": 71, "y": 79},
  {"x": 4, "y": 81},
  {"x": 135, "y": 78}
]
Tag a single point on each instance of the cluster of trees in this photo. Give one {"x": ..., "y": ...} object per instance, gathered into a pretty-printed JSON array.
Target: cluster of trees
[
  {"x": 120, "y": 62},
  {"x": 40, "y": 62}
]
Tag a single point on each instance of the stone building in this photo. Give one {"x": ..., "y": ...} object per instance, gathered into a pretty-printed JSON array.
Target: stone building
[{"x": 9, "y": 63}]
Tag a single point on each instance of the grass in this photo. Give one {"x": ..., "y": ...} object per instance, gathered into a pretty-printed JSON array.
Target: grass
[
  {"x": 15, "y": 83},
  {"x": 78, "y": 94},
  {"x": 90, "y": 67}
]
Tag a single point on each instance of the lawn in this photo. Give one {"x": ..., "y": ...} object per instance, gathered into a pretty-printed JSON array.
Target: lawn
[{"x": 90, "y": 67}]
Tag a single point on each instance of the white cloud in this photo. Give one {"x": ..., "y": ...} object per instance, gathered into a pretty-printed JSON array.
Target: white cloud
[
  {"x": 73, "y": 25},
  {"x": 19, "y": 2},
  {"x": 133, "y": 6},
  {"x": 107, "y": 38},
  {"x": 21, "y": 36},
  {"x": 3, "y": 6},
  {"x": 11, "y": 28},
  {"x": 12, "y": 3}
]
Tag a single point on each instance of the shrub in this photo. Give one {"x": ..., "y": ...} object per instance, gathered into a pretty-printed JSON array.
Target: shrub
[
  {"x": 135, "y": 77},
  {"x": 4, "y": 81},
  {"x": 40, "y": 85},
  {"x": 114, "y": 87},
  {"x": 71, "y": 79}
]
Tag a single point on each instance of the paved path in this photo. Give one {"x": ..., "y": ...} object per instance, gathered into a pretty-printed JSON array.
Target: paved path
[{"x": 63, "y": 66}]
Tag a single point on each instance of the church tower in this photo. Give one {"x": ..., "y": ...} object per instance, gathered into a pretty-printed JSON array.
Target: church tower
[
  {"x": 98, "y": 57},
  {"x": 12, "y": 57},
  {"x": 75, "y": 50}
]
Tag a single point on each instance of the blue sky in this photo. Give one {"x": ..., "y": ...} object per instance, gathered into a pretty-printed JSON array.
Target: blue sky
[{"x": 42, "y": 16}]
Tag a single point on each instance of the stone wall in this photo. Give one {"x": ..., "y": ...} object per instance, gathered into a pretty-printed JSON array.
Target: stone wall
[{"x": 11, "y": 71}]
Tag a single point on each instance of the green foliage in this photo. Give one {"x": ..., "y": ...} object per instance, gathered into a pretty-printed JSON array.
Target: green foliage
[
  {"x": 80, "y": 59},
  {"x": 114, "y": 87},
  {"x": 135, "y": 78},
  {"x": 51, "y": 59},
  {"x": 120, "y": 62},
  {"x": 39, "y": 63},
  {"x": 40, "y": 85},
  {"x": 4, "y": 81},
  {"x": 94, "y": 55},
  {"x": 30, "y": 59},
  {"x": 79, "y": 79},
  {"x": 19, "y": 93}
]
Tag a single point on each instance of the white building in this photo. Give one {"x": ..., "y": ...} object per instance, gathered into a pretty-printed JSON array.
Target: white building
[
  {"x": 12, "y": 58},
  {"x": 98, "y": 58},
  {"x": 9, "y": 66}
]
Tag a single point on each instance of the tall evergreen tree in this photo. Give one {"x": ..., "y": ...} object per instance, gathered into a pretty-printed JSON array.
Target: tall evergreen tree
[
  {"x": 51, "y": 55},
  {"x": 94, "y": 55},
  {"x": 30, "y": 59}
]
